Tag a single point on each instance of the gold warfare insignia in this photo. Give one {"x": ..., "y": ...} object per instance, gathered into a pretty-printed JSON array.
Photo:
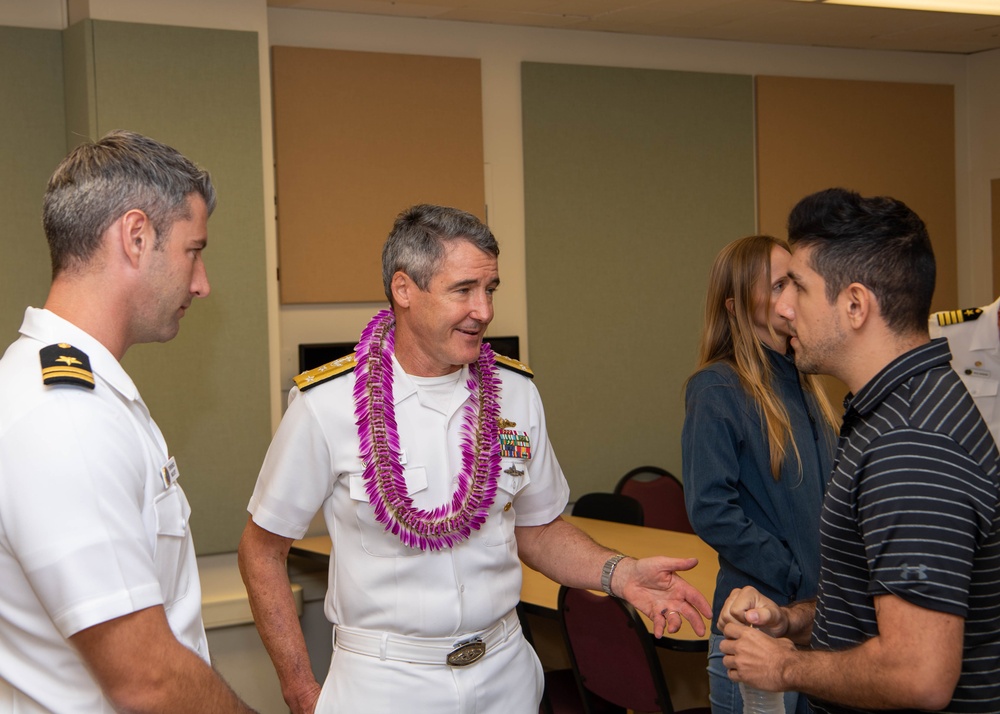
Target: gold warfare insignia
[
  {"x": 505, "y": 423},
  {"x": 65, "y": 364},
  {"x": 514, "y": 471},
  {"x": 953, "y": 317},
  {"x": 326, "y": 372}
]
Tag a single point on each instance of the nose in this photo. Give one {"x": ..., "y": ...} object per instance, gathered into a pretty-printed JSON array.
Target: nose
[
  {"x": 783, "y": 307},
  {"x": 199, "y": 280},
  {"x": 482, "y": 308}
]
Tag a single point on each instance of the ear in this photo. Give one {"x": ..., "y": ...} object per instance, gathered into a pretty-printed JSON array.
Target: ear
[
  {"x": 860, "y": 304},
  {"x": 729, "y": 304},
  {"x": 402, "y": 286},
  {"x": 137, "y": 235}
]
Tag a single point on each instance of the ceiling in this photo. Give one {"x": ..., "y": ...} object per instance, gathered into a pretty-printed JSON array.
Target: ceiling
[{"x": 769, "y": 21}]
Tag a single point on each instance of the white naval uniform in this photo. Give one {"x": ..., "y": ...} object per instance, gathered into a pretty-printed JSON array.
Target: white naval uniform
[
  {"x": 376, "y": 583},
  {"x": 975, "y": 356},
  {"x": 88, "y": 529}
]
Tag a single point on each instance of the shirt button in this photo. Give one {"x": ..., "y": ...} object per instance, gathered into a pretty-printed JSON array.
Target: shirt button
[{"x": 507, "y": 507}]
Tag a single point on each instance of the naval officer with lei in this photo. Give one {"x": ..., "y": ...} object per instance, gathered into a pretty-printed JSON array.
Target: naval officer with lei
[{"x": 434, "y": 473}]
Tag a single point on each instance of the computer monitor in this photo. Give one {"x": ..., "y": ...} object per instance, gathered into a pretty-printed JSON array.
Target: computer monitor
[
  {"x": 506, "y": 346},
  {"x": 319, "y": 353}
]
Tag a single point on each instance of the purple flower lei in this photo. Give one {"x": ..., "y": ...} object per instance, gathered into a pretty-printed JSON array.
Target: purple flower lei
[{"x": 449, "y": 523}]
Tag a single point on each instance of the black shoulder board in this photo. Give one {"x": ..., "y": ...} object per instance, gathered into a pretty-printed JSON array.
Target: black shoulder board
[
  {"x": 326, "y": 372},
  {"x": 64, "y": 364},
  {"x": 953, "y": 317},
  {"x": 514, "y": 365}
]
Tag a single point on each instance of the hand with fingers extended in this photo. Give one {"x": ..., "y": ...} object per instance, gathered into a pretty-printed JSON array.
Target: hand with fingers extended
[{"x": 653, "y": 587}]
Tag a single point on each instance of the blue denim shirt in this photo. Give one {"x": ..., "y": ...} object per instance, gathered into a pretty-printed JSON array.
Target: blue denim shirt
[{"x": 765, "y": 531}]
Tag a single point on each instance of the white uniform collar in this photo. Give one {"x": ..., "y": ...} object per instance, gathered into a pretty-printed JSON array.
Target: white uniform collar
[
  {"x": 48, "y": 328},
  {"x": 404, "y": 387}
]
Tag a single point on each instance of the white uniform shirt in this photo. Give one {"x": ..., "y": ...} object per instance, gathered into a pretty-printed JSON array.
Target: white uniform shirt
[
  {"x": 88, "y": 529},
  {"x": 975, "y": 355},
  {"x": 375, "y": 581}
]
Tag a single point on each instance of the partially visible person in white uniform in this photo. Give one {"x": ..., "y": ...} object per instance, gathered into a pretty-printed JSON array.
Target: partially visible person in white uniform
[
  {"x": 100, "y": 603},
  {"x": 430, "y": 460},
  {"x": 974, "y": 339}
]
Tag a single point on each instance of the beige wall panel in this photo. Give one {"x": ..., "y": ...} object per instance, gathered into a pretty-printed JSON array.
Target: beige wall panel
[
  {"x": 878, "y": 138},
  {"x": 360, "y": 136}
]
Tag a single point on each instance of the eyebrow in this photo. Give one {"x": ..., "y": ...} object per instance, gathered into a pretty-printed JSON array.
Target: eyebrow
[{"x": 471, "y": 282}]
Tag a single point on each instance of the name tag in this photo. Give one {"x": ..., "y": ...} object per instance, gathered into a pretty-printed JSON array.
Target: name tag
[{"x": 169, "y": 473}]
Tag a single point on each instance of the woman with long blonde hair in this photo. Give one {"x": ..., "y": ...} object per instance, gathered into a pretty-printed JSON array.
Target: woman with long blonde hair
[{"x": 757, "y": 445}]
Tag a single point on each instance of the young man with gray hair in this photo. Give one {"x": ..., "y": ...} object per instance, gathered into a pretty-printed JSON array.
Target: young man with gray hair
[
  {"x": 429, "y": 458},
  {"x": 101, "y": 605}
]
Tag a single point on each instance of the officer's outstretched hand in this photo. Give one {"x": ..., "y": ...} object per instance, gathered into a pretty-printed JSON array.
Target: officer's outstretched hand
[{"x": 653, "y": 587}]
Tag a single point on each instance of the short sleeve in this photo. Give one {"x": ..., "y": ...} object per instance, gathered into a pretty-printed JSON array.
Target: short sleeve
[
  {"x": 297, "y": 474},
  {"x": 923, "y": 507},
  {"x": 72, "y": 510}
]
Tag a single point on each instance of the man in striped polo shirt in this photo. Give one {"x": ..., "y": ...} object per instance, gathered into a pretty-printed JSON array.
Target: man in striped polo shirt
[{"x": 909, "y": 598}]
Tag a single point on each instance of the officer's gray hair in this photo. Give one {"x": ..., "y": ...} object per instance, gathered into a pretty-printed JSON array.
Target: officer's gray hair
[
  {"x": 416, "y": 244},
  {"x": 101, "y": 181}
]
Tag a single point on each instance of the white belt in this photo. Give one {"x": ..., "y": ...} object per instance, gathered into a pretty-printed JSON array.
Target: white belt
[{"x": 455, "y": 651}]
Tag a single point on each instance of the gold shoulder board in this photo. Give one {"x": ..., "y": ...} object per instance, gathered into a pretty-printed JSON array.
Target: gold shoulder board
[
  {"x": 953, "y": 317},
  {"x": 514, "y": 365},
  {"x": 326, "y": 372},
  {"x": 65, "y": 364}
]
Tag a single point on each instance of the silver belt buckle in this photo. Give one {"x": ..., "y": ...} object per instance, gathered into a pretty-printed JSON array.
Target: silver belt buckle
[{"x": 467, "y": 653}]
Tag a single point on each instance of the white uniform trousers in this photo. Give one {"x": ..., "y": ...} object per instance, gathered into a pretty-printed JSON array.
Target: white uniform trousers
[{"x": 507, "y": 680}]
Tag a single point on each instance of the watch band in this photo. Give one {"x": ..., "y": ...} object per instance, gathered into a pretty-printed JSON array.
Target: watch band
[{"x": 608, "y": 570}]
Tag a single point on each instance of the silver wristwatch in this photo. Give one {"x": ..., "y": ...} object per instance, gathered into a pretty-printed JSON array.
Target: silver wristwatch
[{"x": 607, "y": 571}]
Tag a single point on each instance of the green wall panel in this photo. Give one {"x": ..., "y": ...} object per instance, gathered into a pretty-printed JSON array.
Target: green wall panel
[
  {"x": 197, "y": 90},
  {"x": 634, "y": 179},
  {"x": 32, "y": 142}
]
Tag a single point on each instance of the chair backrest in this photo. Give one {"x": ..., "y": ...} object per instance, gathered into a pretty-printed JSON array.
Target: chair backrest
[
  {"x": 661, "y": 495},
  {"x": 609, "y": 507},
  {"x": 612, "y": 652}
]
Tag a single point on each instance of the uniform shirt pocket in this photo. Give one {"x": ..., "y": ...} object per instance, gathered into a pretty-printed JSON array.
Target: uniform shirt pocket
[
  {"x": 981, "y": 386},
  {"x": 514, "y": 477},
  {"x": 171, "y": 548},
  {"x": 374, "y": 538}
]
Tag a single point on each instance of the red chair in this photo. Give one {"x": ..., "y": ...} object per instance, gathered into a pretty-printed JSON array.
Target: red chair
[
  {"x": 561, "y": 695},
  {"x": 661, "y": 495},
  {"x": 612, "y": 654}
]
